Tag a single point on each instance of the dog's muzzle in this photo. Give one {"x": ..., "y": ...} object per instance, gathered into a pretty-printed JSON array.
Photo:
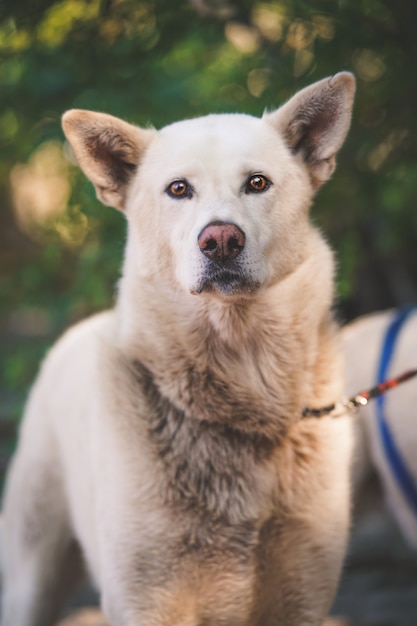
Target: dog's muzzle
[{"x": 222, "y": 245}]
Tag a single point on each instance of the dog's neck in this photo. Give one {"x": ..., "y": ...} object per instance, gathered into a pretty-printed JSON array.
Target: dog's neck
[{"x": 254, "y": 363}]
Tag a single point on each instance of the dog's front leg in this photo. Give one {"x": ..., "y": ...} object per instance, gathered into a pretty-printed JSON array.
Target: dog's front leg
[{"x": 40, "y": 560}]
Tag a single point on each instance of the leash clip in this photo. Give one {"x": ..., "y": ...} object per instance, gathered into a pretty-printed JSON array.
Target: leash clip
[
  {"x": 356, "y": 402},
  {"x": 350, "y": 405}
]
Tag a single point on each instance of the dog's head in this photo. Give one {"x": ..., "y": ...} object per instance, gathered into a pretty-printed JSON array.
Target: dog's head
[{"x": 221, "y": 202}]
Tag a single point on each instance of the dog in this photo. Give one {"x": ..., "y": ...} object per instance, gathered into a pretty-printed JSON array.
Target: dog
[
  {"x": 380, "y": 346},
  {"x": 163, "y": 443}
]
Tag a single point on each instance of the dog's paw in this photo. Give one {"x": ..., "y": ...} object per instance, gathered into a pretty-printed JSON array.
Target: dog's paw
[{"x": 85, "y": 617}]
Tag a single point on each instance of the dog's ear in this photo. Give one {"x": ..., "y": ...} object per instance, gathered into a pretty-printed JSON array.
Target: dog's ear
[
  {"x": 108, "y": 151},
  {"x": 315, "y": 121}
]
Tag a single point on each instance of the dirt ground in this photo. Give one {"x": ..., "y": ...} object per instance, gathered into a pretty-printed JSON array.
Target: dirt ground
[{"x": 378, "y": 586}]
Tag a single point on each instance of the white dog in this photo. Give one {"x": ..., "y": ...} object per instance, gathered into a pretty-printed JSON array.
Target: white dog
[
  {"x": 380, "y": 346},
  {"x": 164, "y": 440}
]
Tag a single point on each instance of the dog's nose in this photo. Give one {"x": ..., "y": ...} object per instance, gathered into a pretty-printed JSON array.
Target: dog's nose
[{"x": 221, "y": 241}]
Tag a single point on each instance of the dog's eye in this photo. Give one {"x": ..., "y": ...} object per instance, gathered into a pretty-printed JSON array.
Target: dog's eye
[
  {"x": 179, "y": 189},
  {"x": 257, "y": 183}
]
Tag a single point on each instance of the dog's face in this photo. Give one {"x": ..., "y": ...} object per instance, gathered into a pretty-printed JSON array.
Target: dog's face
[
  {"x": 220, "y": 201},
  {"x": 217, "y": 187}
]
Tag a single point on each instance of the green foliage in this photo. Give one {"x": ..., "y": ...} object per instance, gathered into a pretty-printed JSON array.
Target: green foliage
[{"x": 155, "y": 61}]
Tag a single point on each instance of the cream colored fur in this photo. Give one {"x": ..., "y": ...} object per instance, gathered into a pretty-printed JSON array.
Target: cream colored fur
[
  {"x": 164, "y": 438},
  {"x": 363, "y": 340}
]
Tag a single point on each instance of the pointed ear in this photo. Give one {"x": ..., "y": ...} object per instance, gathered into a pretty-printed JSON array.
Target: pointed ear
[
  {"x": 108, "y": 151},
  {"x": 315, "y": 122}
]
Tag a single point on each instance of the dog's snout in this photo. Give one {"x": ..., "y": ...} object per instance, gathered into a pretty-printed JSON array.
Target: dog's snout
[{"x": 221, "y": 241}]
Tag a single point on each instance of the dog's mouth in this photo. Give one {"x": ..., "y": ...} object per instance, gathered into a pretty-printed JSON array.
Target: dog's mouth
[{"x": 227, "y": 282}]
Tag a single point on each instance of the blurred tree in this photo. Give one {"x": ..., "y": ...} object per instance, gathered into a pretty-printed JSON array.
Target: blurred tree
[{"x": 154, "y": 61}]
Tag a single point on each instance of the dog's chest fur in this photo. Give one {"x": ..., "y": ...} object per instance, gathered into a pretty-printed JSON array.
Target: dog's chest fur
[
  {"x": 212, "y": 469},
  {"x": 227, "y": 504},
  {"x": 216, "y": 423}
]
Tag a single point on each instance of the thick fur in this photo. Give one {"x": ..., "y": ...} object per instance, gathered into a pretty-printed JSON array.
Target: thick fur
[
  {"x": 164, "y": 438},
  {"x": 363, "y": 340}
]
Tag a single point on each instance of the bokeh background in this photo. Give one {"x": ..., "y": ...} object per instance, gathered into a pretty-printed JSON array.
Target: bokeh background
[{"x": 155, "y": 61}]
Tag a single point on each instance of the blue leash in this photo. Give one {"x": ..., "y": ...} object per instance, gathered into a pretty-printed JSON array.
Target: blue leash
[{"x": 399, "y": 469}]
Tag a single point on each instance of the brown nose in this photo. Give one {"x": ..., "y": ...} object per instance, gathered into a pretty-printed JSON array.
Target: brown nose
[{"x": 220, "y": 241}]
